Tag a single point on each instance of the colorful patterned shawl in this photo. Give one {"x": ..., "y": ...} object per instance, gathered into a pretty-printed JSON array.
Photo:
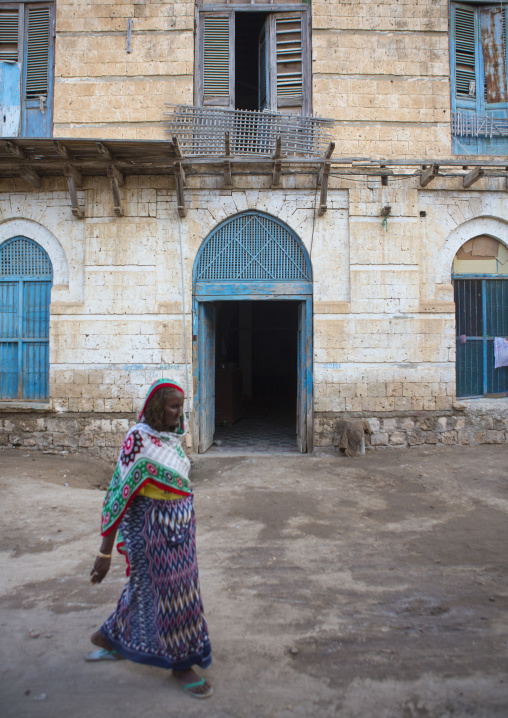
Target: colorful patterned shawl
[{"x": 147, "y": 457}]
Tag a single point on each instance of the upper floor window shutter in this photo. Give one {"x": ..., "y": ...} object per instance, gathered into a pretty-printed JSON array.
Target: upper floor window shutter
[
  {"x": 263, "y": 88},
  {"x": 9, "y": 31},
  {"x": 37, "y": 52},
  {"x": 290, "y": 41},
  {"x": 492, "y": 26},
  {"x": 465, "y": 52},
  {"x": 217, "y": 32}
]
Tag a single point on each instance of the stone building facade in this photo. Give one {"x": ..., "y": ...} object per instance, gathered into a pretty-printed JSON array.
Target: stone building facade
[{"x": 383, "y": 329}]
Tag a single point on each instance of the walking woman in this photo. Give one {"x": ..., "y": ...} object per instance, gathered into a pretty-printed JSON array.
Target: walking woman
[{"x": 159, "y": 618}]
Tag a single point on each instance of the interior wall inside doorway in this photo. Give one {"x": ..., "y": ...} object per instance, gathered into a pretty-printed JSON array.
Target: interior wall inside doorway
[{"x": 256, "y": 349}]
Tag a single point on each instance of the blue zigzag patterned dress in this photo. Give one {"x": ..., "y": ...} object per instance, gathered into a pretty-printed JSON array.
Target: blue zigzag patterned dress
[{"x": 159, "y": 618}]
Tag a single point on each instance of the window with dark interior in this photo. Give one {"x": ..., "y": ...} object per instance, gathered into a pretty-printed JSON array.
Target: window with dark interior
[{"x": 254, "y": 60}]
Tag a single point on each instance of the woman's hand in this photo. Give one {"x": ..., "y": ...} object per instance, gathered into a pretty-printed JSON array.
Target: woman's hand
[{"x": 100, "y": 569}]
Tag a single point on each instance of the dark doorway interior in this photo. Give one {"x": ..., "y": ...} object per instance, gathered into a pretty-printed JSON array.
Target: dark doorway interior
[
  {"x": 248, "y": 26},
  {"x": 256, "y": 374}
]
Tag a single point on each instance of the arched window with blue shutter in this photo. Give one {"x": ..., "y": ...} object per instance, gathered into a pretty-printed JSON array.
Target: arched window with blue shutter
[{"x": 26, "y": 276}]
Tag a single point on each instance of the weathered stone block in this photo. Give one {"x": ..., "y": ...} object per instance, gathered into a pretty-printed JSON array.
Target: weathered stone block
[
  {"x": 449, "y": 437},
  {"x": 379, "y": 439},
  {"x": 431, "y": 437},
  {"x": 427, "y": 423},
  {"x": 415, "y": 438},
  {"x": 397, "y": 438},
  {"x": 495, "y": 437}
]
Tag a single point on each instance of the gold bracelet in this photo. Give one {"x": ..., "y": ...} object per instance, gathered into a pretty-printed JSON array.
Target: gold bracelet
[{"x": 104, "y": 555}]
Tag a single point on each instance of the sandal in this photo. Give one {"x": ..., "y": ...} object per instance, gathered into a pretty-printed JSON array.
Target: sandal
[
  {"x": 189, "y": 686},
  {"x": 102, "y": 654}
]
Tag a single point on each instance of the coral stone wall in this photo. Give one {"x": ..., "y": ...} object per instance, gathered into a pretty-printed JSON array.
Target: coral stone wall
[{"x": 103, "y": 91}]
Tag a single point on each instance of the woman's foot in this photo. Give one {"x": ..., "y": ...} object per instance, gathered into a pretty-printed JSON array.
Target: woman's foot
[
  {"x": 100, "y": 640},
  {"x": 192, "y": 683}
]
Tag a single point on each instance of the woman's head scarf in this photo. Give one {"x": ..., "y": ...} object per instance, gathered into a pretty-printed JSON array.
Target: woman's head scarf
[{"x": 147, "y": 456}]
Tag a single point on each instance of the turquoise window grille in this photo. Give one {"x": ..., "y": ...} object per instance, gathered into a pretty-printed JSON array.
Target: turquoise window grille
[
  {"x": 26, "y": 276},
  {"x": 481, "y": 310}
]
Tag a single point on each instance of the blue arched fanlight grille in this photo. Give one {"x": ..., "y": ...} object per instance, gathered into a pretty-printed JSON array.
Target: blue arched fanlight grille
[
  {"x": 252, "y": 247},
  {"x": 24, "y": 257},
  {"x": 25, "y": 291}
]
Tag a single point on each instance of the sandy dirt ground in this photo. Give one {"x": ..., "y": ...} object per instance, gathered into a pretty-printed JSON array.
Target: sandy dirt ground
[{"x": 359, "y": 588}]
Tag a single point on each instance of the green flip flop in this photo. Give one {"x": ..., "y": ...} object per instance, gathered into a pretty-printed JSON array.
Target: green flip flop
[
  {"x": 187, "y": 687},
  {"x": 102, "y": 655}
]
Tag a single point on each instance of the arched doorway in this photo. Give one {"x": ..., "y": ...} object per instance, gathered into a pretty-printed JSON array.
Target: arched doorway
[
  {"x": 26, "y": 276},
  {"x": 480, "y": 278},
  {"x": 251, "y": 268}
]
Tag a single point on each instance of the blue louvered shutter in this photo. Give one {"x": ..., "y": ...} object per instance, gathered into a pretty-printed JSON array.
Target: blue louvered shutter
[
  {"x": 38, "y": 71},
  {"x": 9, "y": 32},
  {"x": 217, "y": 31},
  {"x": 479, "y": 76},
  {"x": 25, "y": 291},
  {"x": 10, "y": 73},
  {"x": 289, "y": 60}
]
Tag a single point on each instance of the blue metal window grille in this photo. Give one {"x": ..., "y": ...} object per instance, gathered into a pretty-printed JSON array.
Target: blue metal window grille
[
  {"x": 253, "y": 247},
  {"x": 26, "y": 276},
  {"x": 481, "y": 312}
]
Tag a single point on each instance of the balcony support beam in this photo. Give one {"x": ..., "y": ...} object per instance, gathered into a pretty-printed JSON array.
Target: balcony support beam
[
  {"x": 472, "y": 177},
  {"x": 277, "y": 164},
  {"x": 116, "y": 180},
  {"x": 180, "y": 183},
  {"x": 74, "y": 180},
  {"x": 228, "y": 181},
  {"x": 428, "y": 174},
  {"x": 30, "y": 176}
]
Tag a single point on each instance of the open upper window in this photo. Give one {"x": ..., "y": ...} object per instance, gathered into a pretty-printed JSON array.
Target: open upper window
[
  {"x": 26, "y": 69},
  {"x": 479, "y": 79},
  {"x": 254, "y": 60}
]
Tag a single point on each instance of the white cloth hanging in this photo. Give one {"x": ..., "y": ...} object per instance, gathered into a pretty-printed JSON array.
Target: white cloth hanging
[{"x": 500, "y": 352}]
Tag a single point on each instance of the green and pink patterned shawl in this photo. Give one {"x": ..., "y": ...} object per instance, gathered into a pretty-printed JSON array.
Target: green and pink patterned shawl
[{"x": 147, "y": 457}]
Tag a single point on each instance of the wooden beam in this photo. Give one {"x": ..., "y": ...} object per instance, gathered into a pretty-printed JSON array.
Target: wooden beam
[
  {"x": 103, "y": 151},
  {"x": 180, "y": 182},
  {"x": 428, "y": 174},
  {"x": 116, "y": 180},
  {"x": 324, "y": 175},
  {"x": 276, "y": 173},
  {"x": 329, "y": 150},
  {"x": 30, "y": 176},
  {"x": 112, "y": 171},
  {"x": 176, "y": 147},
  {"x": 13, "y": 149},
  {"x": 74, "y": 180},
  {"x": 278, "y": 148},
  {"x": 228, "y": 181},
  {"x": 70, "y": 171},
  {"x": 472, "y": 177},
  {"x": 328, "y": 154},
  {"x": 61, "y": 150},
  {"x": 277, "y": 164}
]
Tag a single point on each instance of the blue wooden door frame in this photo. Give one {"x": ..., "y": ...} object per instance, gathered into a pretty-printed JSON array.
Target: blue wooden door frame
[{"x": 259, "y": 292}]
